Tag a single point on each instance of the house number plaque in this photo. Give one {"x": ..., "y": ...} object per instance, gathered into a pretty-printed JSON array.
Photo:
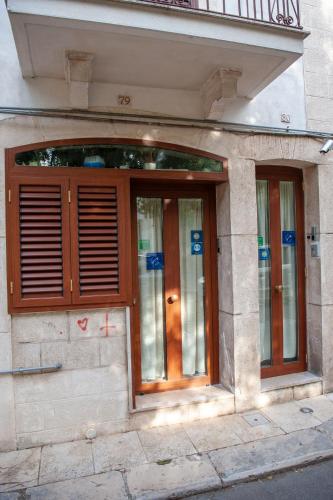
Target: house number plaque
[{"x": 124, "y": 100}]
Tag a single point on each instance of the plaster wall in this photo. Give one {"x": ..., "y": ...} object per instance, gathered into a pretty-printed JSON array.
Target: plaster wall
[
  {"x": 285, "y": 95},
  {"x": 318, "y": 64}
]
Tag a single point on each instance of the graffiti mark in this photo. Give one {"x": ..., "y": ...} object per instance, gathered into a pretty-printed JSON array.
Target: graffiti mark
[
  {"x": 107, "y": 327},
  {"x": 82, "y": 324}
]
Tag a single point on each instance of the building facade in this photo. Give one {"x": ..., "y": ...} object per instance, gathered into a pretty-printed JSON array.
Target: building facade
[{"x": 165, "y": 227}]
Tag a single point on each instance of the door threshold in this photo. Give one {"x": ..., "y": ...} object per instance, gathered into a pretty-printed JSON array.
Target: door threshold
[{"x": 181, "y": 397}]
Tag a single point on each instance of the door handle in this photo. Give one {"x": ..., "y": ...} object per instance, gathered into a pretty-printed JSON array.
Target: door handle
[
  {"x": 172, "y": 299},
  {"x": 278, "y": 288}
]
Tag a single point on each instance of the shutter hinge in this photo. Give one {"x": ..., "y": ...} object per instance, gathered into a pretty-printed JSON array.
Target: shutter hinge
[
  {"x": 71, "y": 285},
  {"x": 69, "y": 196},
  {"x": 11, "y": 288},
  {"x": 9, "y": 195},
  {"x": 306, "y": 272},
  {"x": 303, "y": 187}
]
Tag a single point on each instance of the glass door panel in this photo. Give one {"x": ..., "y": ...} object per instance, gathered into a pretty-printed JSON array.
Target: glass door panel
[
  {"x": 289, "y": 274},
  {"x": 281, "y": 270},
  {"x": 173, "y": 315},
  {"x": 192, "y": 279},
  {"x": 265, "y": 271},
  {"x": 151, "y": 283}
]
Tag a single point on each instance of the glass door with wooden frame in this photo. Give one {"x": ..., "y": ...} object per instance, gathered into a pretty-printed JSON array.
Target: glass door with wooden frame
[
  {"x": 281, "y": 266},
  {"x": 175, "y": 268}
]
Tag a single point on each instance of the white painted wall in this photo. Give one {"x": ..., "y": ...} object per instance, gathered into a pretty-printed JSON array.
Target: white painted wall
[
  {"x": 284, "y": 95},
  {"x": 318, "y": 63}
]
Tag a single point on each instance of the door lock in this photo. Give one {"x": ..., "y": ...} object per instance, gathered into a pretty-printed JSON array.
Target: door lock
[
  {"x": 279, "y": 288},
  {"x": 172, "y": 299}
]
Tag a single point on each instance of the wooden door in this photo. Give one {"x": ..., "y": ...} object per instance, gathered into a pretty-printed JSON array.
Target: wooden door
[
  {"x": 174, "y": 257},
  {"x": 281, "y": 265}
]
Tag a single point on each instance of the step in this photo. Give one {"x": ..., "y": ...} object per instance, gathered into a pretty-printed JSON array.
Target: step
[
  {"x": 285, "y": 388},
  {"x": 181, "y": 406}
]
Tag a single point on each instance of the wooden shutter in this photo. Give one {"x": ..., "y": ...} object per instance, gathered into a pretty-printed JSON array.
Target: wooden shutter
[
  {"x": 39, "y": 253},
  {"x": 99, "y": 248}
]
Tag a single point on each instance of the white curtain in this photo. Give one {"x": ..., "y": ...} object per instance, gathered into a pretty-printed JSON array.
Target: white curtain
[
  {"x": 192, "y": 289},
  {"x": 264, "y": 272},
  {"x": 289, "y": 279},
  {"x": 150, "y": 220}
]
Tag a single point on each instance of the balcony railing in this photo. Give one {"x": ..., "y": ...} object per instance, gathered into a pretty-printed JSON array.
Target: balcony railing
[{"x": 278, "y": 12}]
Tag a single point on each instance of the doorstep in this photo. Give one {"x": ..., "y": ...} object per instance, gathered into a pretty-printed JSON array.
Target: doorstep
[
  {"x": 181, "y": 406},
  {"x": 290, "y": 387}
]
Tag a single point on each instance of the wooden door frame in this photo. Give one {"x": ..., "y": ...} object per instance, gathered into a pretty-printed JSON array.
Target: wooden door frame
[
  {"x": 207, "y": 193},
  {"x": 274, "y": 175}
]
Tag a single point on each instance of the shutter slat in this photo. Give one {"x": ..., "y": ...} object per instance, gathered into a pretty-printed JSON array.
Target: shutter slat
[
  {"x": 99, "y": 253},
  {"x": 97, "y": 212},
  {"x": 99, "y": 288},
  {"x": 101, "y": 203},
  {"x": 36, "y": 292},
  {"x": 97, "y": 196},
  {"x": 40, "y": 195},
  {"x": 92, "y": 260},
  {"x": 37, "y": 275},
  {"x": 104, "y": 272},
  {"x": 112, "y": 245},
  {"x": 97, "y": 238},
  {"x": 40, "y": 215}
]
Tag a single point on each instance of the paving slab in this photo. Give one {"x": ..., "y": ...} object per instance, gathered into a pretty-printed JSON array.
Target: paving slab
[
  {"x": 19, "y": 469},
  {"x": 248, "y": 432},
  {"x": 107, "y": 486},
  {"x": 322, "y": 407},
  {"x": 167, "y": 442},
  {"x": 211, "y": 434},
  {"x": 181, "y": 477},
  {"x": 289, "y": 417},
  {"x": 12, "y": 495},
  {"x": 327, "y": 428},
  {"x": 66, "y": 461},
  {"x": 119, "y": 451},
  {"x": 259, "y": 458}
]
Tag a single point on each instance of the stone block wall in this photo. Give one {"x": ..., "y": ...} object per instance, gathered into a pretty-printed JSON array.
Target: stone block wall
[{"x": 90, "y": 390}]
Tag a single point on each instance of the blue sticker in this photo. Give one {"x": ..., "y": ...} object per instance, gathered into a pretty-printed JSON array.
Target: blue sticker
[
  {"x": 196, "y": 236},
  {"x": 154, "y": 261},
  {"x": 289, "y": 238},
  {"x": 264, "y": 253},
  {"x": 197, "y": 248}
]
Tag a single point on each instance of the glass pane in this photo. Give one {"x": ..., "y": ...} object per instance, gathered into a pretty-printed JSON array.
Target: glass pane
[
  {"x": 192, "y": 281},
  {"x": 151, "y": 282},
  {"x": 265, "y": 269},
  {"x": 289, "y": 278},
  {"x": 118, "y": 156}
]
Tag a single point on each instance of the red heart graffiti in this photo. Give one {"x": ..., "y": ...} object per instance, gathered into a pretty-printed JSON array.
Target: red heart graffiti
[{"x": 83, "y": 323}]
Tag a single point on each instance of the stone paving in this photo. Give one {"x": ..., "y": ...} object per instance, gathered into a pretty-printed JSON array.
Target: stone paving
[{"x": 174, "y": 461}]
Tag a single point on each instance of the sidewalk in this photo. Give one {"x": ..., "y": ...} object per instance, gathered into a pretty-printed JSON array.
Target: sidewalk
[{"x": 174, "y": 461}]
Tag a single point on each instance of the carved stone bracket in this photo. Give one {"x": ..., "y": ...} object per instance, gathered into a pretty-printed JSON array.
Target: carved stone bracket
[
  {"x": 78, "y": 73},
  {"x": 220, "y": 87}
]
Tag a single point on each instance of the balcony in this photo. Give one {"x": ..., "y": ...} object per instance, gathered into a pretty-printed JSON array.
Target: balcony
[
  {"x": 276, "y": 12},
  {"x": 202, "y": 48}
]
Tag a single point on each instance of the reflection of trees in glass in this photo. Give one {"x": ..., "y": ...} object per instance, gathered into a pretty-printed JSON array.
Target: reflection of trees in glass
[{"x": 118, "y": 156}]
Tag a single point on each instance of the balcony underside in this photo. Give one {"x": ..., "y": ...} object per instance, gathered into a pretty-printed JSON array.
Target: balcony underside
[{"x": 160, "y": 47}]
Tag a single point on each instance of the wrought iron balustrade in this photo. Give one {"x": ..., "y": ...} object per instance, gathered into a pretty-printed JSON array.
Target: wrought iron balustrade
[{"x": 278, "y": 12}]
